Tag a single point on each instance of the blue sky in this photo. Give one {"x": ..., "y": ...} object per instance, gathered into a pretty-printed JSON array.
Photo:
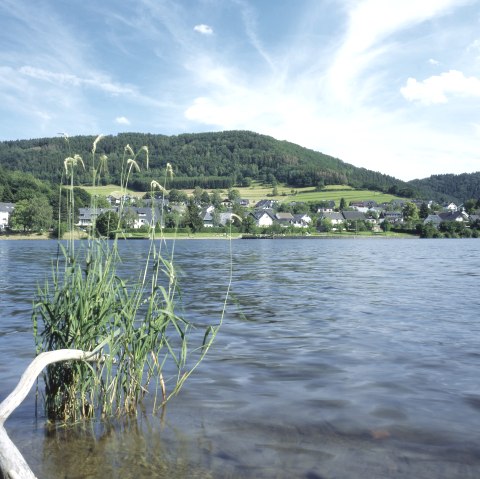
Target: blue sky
[{"x": 389, "y": 85}]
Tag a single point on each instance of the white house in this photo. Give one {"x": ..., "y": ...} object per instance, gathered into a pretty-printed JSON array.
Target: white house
[
  {"x": 334, "y": 217},
  {"x": 263, "y": 218},
  {"x": 450, "y": 207},
  {"x": 6, "y": 209},
  {"x": 301, "y": 220}
]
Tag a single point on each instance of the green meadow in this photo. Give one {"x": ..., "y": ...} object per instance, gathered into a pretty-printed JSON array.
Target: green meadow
[{"x": 258, "y": 192}]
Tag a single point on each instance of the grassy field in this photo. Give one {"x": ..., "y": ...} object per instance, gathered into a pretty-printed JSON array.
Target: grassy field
[
  {"x": 109, "y": 190},
  {"x": 258, "y": 192}
]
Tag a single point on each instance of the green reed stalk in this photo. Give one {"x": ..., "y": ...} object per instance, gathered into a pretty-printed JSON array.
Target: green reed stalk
[{"x": 132, "y": 324}]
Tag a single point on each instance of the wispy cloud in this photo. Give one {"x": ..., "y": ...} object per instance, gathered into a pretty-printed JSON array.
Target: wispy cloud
[
  {"x": 370, "y": 36},
  {"x": 100, "y": 82}
]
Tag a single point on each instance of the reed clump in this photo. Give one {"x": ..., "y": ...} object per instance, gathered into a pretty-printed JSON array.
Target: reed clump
[{"x": 129, "y": 323}]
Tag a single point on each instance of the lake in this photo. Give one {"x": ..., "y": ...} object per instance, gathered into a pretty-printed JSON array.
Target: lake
[{"x": 354, "y": 358}]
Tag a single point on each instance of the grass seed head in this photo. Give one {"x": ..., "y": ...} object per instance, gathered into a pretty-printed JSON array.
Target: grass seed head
[
  {"x": 145, "y": 149},
  {"x": 155, "y": 184},
  {"x": 133, "y": 163},
  {"x": 97, "y": 139}
]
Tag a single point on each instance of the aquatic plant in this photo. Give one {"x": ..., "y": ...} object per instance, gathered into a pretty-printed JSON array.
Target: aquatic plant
[{"x": 130, "y": 323}]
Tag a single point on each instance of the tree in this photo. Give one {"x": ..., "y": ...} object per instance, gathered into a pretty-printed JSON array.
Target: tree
[
  {"x": 343, "y": 204},
  {"x": 410, "y": 212},
  {"x": 233, "y": 195},
  {"x": 192, "y": 216},
  {"x": 129, "y": 217},
  {"x": 197, "y": 194},
  {"x": 325, "y": 224},
  {"x": 172, "y": 220},
  {"x": 424, "y": 211},
  {"x": 249, "y": 225},
  {"x": 177, "y": 196},
  {"x": 301, "y": 208},
  {"x": 102, "y": 202},
  {"x": 107, "y": 223},
  {"x": 470, "y": 205},
  {"x": 215, "y": 218},
  {"x": 320, "y": 185},
  {"x": 33, "y": 214},
  {"x": 216, "y": 199},
  {"x": 205, "y": 198},
  {"x": 386, "y": 225},
  {"x": 21, "y": 218}
]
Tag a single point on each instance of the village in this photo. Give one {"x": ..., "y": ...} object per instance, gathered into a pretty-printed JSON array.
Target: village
[{"x": 268, "y": 215}]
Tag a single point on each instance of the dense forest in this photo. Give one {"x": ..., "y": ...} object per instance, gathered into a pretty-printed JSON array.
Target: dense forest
[
  {"x": 459, "y": 187},
  {"x": 208, "y": 160}
]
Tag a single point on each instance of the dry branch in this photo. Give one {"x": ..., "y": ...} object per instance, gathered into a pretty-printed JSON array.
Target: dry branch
[{"x": 12, "y": 463}]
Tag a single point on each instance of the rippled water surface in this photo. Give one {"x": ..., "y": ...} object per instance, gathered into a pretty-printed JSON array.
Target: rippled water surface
[{"x": 337, "y": 359}]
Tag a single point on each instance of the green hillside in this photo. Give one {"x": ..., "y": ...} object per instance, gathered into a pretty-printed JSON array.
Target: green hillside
[
  {"x": 208, "y": 160},
  {"x": 457, "y": 187}
]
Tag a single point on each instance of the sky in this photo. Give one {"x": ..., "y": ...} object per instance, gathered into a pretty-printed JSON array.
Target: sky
[{"x": 389, "y": 85}]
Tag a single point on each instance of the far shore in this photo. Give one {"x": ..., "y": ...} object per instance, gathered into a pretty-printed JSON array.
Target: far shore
[{"x": 215, "y": 236}]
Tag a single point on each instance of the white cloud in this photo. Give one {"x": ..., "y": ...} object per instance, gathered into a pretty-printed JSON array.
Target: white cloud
[
  {"x": 436, "y": 89},
  {"x": 434, "y": 62},
  {"x": 122, "y": 120},
  {"x": 203, "y": 29}
]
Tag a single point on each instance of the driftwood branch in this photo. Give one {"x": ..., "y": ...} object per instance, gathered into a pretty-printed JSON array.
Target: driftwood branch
[{"x": 12, "y": 463}]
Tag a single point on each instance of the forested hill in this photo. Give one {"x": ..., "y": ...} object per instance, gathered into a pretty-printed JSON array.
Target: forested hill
[
  {"x": 461, "y": 187},
  {"x": 209, "y": 160}
]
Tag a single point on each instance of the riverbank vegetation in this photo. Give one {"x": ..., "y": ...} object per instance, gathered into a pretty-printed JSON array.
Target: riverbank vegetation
[{"x": 129, "y": 323}]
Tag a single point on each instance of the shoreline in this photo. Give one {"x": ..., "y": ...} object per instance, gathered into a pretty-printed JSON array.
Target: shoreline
[{"x": 203, "y": 236}]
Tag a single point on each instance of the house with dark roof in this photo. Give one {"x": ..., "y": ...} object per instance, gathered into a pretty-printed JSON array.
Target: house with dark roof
[
  {"x": 334, "y": 217},
  {"x": 142, "y": 216},
  {"x": 301, "y": 220},
  {"x": 435, "y": 220},
  {"x": 459, "y": 216},
  {"x": 207, "y": 217},
  {"x": 363, "y": 205},
  {"x": 225, "y": 217},
  {"x": 266, "y": 204},
  {"x": 87, "y": 216},
  {"x": 353, "y": 216},
  {"x": 392, "y": 216},
  {"x": 284, "y": 219},
  {"x": 263, "y": 218},
  {"x": 326, "y": 207}
]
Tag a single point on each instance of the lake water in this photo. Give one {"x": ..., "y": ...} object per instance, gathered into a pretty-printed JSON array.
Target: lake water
[{"x": 337, "y": 359}]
